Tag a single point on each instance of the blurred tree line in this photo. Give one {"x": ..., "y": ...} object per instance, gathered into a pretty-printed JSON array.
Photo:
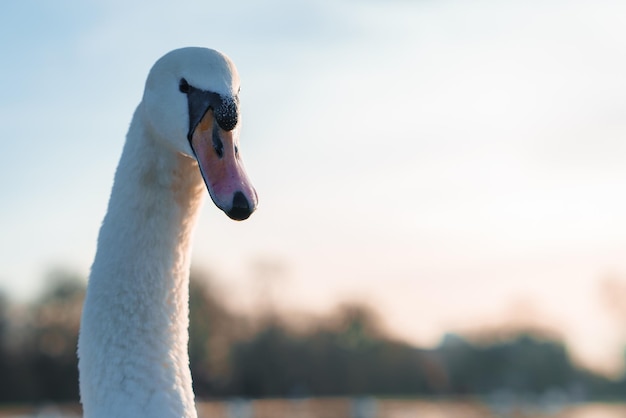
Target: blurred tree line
[{"x": 344, "y": 354}]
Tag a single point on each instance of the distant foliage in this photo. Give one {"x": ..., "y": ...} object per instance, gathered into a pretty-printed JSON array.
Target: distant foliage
[
  {"x": 348, "y": 356},
  {"x": 38, "y": 344},
  {"x": 346, "y": 353}
]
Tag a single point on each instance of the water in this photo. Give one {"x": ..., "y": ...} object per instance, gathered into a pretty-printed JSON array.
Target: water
[
  {"x": 361, "y": 408},
  {"x": 390, "y": 408}
]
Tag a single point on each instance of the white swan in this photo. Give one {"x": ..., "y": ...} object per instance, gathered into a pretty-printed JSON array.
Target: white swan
[{"x": 132, "y": 348}]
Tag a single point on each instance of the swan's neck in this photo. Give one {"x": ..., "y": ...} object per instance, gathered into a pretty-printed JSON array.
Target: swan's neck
[{"x": 134, "y": 329}]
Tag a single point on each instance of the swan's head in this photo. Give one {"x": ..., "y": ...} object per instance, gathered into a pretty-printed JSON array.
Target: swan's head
[{"x": 191, "y": 103}]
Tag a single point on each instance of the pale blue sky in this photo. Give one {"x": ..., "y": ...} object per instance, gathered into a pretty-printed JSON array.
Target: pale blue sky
[{"x": 450, "y": 161}]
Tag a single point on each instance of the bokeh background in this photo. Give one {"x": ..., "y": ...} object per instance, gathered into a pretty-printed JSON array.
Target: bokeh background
[{"x": 456, "y": 167}]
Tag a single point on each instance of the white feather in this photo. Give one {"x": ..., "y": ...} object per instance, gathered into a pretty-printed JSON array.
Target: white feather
[{"x": 133, "y": 358}]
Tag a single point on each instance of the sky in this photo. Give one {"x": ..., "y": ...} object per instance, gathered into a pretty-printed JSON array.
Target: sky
[{"x": 456, "y": 164}]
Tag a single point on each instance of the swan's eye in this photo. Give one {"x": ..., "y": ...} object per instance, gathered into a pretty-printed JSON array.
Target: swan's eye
[
  {"x": 183, "y": 86},
  {"x": 236, "y": 151}
]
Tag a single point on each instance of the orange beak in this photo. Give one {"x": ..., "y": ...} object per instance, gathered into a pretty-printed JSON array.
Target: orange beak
[{"x": 217, "y": 152}]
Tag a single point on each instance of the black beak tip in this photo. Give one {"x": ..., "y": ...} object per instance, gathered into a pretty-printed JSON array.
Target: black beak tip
[{"x": 240, "y": 209}]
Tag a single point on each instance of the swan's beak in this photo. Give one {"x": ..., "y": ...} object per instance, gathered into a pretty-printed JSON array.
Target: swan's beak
[{"x": 217, "y": 152}]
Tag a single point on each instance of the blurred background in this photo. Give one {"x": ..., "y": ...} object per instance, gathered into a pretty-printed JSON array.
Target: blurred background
[{"x": 441, "y": 193}]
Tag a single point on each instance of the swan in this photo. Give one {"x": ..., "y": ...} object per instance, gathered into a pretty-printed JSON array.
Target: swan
[{"x": 184, "y": 135}]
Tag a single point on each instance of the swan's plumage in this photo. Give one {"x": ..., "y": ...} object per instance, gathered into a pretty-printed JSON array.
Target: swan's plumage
[{"x": 133, "y": 356}]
